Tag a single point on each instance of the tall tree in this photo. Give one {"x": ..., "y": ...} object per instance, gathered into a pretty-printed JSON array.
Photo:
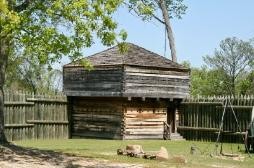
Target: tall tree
[
  {"x": 49, "y": 30},
  {"x": 234, "y": 58},
  {"x": 147, "y": 9}
]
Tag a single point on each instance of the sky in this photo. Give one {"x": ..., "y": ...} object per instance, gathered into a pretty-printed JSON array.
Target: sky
[{"x": 197, "y": 34}]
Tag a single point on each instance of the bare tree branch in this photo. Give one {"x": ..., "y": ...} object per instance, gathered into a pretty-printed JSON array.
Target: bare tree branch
[
  {"x": 137, "y": 13},
  {"x": 157, "y": 18}
]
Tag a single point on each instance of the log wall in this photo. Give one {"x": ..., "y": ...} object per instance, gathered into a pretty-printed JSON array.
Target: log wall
[
  {"x": 101, "y": 81},
  {"x": 117, "y": 118},
  {"x": 154, "y": 82},
  {"x": 97, "y": 118},
  {"x": 126, "y": 81},
  {"x": 144, "y": 123}
]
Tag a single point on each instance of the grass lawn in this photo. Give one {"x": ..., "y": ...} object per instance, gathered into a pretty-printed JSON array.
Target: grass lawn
[{"x": 106, "y": 149}]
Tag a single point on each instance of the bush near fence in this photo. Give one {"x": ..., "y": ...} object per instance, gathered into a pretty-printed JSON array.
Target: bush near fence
[
  {"x": 200, "y": 117},
  {"x": 29, "y": 116}
]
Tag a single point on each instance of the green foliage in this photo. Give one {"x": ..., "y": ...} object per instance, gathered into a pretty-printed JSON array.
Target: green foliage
[
  {"x": 186, "y": 64},
  {"x": 123, "y": 34},
  {"x": 207, "y": 82},
  {"x": 49, "y": 30},
  {"x": 234, "y": 59},
  {"x": 246, "y": 85},
  {"x": 87, "y": 64},
  {"x": 30, "y": 75},
  {"x": 230, "y": 72},
  {"x": 146, "y": 9},
  {"x": 9, "y": 19},
  {"x": 123, "y": 47}
]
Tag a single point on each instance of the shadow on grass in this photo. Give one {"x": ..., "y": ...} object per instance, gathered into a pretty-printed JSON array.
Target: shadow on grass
[{"x": 31, "y": 156}]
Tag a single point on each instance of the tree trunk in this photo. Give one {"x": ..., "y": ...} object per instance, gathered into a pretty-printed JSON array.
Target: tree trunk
[
  {"x": 169, "y": 30},
  {"x": 4, "y": 46}
]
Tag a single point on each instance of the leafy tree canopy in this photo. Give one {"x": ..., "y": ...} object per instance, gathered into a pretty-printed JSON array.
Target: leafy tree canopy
[
  {"x": 233, "y": 58},
  {"x": 228, "y": 71},
  {"x": 24, "y": 74},
  {"x": 51, "y": 29},
  {"x": 207, "y": 82},
  {"x": 147, "y": 9}
]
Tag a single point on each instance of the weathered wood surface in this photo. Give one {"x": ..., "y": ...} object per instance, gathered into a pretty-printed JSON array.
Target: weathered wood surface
[
  {"x": 160, "y": 71},
  {"x": 135, "y": 55},
  {"x": 197, "y": 128},
  {"x": 101, "y": 118},
  {"x": 47, "y": 122},
  {"x": 201, "y": 116},
  {"x": 54, "y": 100},
  {"x": 117, "y": 118},
  {"x": 126, "y": 81},
  {"x": 29, "y": 116},
  {"x": 18, "y": 125},
  {"x": 106, "y": 80},
  {"x": 144, "y": 119},
  {"x": 16, "y": 103},
  {"x": 144, "y": 122},
  {"x": 147, "y": 82}
]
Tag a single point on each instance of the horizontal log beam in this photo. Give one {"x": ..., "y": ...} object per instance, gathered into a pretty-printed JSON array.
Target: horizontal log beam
[
  {"x": 219, "y": 103},
  {"x": 18, "y": 125},
  {"x": 45, "y": 100},
  {"x": 231, "y": 133},
  {"x": 46, "y": 122},
  {"x": 137, "y": 85},
  {"x": 197, "y": 128},
  {"x": 129, "y": 137},
  {"x": 158, "y": 75},
  {"x": 92, "y": 93},
  {"x": 146, "y": 133},
  {"x": 236, "y": 107},
  {"x": 142, "y": 127},
  {"x": 145, "y": 70},
  {"x": 18, "y": 103},
  {"x": 144, "y": 124},
  {"x": 144, "y": 120},
  {"x": 154, "y": 94}
]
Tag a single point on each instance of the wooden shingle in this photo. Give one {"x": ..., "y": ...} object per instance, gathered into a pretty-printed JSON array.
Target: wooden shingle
[{"x": 135, "y": 55}]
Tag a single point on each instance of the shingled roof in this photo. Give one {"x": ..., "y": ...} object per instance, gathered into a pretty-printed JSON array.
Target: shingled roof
[{"x": 135, "y": 55}]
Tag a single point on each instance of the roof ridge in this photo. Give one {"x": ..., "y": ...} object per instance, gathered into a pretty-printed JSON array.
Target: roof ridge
[
  {"x": 135, "y": 55},
  {"x": 156, "y": 54}
]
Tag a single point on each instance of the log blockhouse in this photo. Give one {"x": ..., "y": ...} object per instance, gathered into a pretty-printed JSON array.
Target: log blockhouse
[{"x": 126, "y": 96}]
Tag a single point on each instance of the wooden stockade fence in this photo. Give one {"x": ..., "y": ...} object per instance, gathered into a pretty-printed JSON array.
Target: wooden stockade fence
[
  {"x": 200, "y": 117},
  {"x": 29, "y": 116}
]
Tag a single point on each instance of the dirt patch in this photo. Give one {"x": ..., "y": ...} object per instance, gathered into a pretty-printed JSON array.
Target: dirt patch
[{"x": 12, "y": 156}]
